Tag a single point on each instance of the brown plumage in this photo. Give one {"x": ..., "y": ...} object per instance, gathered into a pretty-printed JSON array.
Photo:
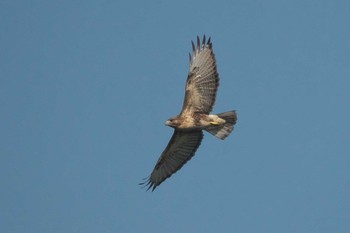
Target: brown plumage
[{"x": 201, "y": 87}]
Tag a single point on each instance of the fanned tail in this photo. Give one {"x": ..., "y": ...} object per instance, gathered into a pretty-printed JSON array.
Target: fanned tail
[{"x": 222, "y": 131}]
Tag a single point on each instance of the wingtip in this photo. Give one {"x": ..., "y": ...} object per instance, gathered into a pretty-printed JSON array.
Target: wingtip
[
  {"x": 193, "y": 47},
  {"x": 203, "y": 44},
  {"x": 148, "y": 183},
  {"x": 196, "y": 47},
  {"x": 198, "y": 43}
]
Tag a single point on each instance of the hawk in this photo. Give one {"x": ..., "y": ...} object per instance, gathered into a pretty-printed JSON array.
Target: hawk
[{"x": 201, "y": 87}]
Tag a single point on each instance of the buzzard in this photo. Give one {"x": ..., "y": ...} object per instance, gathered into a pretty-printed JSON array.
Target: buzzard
[{"x": 201, "y": 87}]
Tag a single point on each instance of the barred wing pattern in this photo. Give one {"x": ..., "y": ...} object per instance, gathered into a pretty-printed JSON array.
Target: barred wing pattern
[
  {"x": 202, "y": 81},
  {"x": 180, "y": 149}
]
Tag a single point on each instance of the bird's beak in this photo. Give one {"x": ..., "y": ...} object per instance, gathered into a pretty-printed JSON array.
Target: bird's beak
[{"x": 167, "y": 123}]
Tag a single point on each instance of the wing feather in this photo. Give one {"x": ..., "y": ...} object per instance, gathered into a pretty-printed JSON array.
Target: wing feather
[
  {"x": 180, "y": 149},
  {"x": 203, "y": 79}
]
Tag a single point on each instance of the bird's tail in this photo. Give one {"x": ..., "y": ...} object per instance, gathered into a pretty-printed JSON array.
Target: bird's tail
[{"x": 222, "y": 131}]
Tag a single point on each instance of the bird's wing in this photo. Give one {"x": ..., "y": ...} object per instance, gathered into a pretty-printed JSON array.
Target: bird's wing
[
  {"x": 180, "y": 149},
  {"x": 202, "y": 81}
]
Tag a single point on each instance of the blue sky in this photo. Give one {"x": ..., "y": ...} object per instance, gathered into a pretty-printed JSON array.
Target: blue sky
[{"x": 86, "y": 86}]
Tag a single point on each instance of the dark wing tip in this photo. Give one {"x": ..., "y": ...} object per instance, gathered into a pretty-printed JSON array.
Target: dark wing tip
[
  {"x": 201, "y": 45},
  {"x": 209, "y": 42},
  {"x": 149, "y": 184},
  {"x": 198, "y": 43}
]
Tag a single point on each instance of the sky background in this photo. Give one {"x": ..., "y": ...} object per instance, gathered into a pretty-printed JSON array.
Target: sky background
[{"x": 86, "y": 86}]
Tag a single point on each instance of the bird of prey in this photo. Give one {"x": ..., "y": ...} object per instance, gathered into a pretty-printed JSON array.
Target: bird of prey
[{"x": 201, "y": 87}]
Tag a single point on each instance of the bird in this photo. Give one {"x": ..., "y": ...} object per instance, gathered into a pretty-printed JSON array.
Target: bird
[{"x": 200, "y": 95}]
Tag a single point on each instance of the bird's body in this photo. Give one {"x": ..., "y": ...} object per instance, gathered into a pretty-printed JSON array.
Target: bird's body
[
  {"x": 197, "y": 121},
  {"x": 201, "y": 87}
]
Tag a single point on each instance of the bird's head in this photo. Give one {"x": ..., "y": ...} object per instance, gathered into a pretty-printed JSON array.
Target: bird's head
[{"x": 172, "y": 122}]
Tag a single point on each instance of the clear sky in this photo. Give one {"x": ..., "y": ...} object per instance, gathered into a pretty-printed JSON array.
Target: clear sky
[{"x": 86, "y": 86}]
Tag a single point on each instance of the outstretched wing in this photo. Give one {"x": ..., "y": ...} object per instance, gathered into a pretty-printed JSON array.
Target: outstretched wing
[
  {"x": 202, "y": 81},
  {"x": 180, "y": 149}
]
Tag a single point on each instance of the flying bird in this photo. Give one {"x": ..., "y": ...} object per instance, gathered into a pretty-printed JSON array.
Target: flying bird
[{"x": 201, "y": 87}]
